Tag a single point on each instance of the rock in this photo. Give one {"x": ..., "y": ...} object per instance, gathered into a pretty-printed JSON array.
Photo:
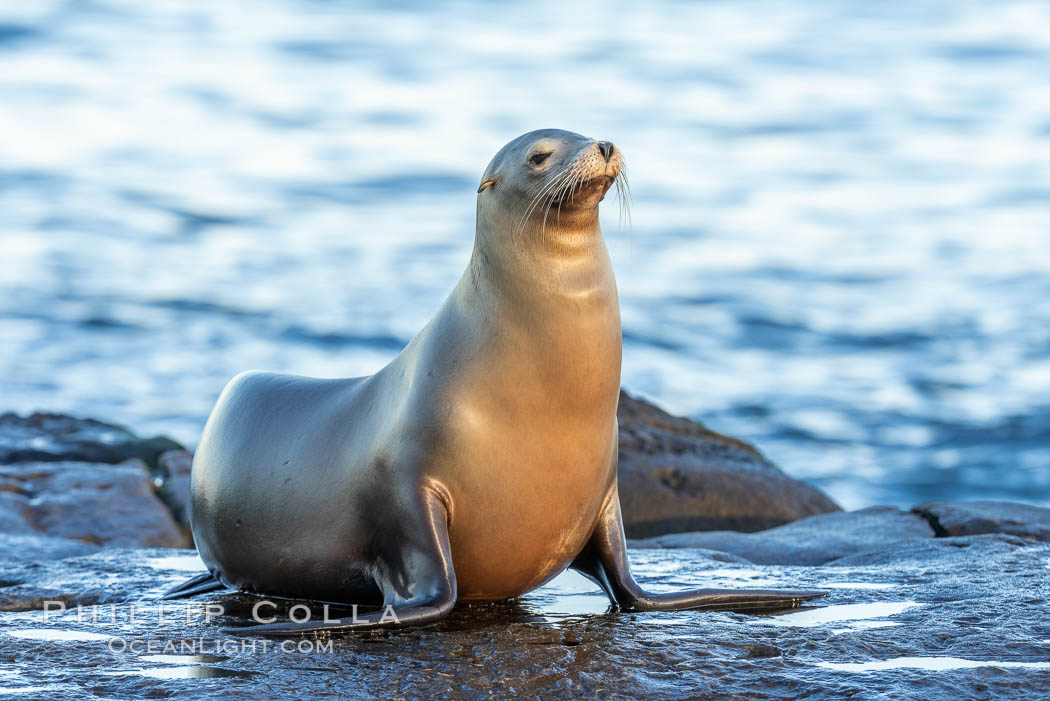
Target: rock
[
  {"x": 45, "y": 437},
  {"x": 955, "y": 552},
  {"x": 930, "y": 603},
  {"x": 676, "y": 475},
  {"x": 98, "y": 504},
  {"x": 173, "y": 470},
  {"x": 97, "y": 577},
  {"x": 65, "y": 480},
  {"x": 976, "y": 517},
  {"x": 811, "y": 541},
  {"x": 37, "y": 547},
  {"x": 15, "y": 513}
]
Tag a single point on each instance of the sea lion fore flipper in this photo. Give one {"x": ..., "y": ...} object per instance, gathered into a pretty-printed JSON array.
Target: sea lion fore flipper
[{"x": 430, "y": 579}]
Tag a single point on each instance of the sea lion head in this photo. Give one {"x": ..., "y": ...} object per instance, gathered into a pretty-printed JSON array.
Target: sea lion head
[{"x": 548, "y": 180}]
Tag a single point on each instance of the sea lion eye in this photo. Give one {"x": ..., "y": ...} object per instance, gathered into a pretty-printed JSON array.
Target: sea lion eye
[{"x": 537, "y": 159}]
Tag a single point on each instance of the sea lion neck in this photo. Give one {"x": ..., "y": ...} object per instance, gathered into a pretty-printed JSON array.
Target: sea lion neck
[
  {"x": 542, "y": 267},
  {"x": 544, "y": 311}
]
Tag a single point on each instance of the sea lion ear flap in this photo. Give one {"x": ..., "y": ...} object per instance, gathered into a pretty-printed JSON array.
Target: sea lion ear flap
[{"x": 487, "y": 183}]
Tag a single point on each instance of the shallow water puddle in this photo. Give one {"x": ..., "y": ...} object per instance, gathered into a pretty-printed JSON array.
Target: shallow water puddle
[
  {"x": 668, "y": 618},
  {"x": 184, "y": 563},
  {"x": 185, "y": 672},
  {"x": 854, "y": 626},
  {"x": 56, "y": 634},
  {"x": 753, "y": 578},
  {"x": 184, "y": 667},
  {"x": 644, "y": 562},
  {"x": 936, "y": 664},
  {"x": 736, "y": 573},
  {"x": 858, "y": 615},
  {"x": 182, "y": 659},
  {"x": 578, "y": 605},
  {"x": 572, "y": 594}
]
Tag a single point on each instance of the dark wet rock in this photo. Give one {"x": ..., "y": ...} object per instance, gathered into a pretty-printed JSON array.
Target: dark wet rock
[
  {"x": 103, "y": 504},
  {"x": 718, "y": 556},
  {"x": 65, "y": 480},
  {"x": 173, "y": 485},
  {"x": 15, "y": 512},
  {"x": 34, "y": 547},
  {"x": 811, "y": 541},
  {"x": 976, "y": 517},
  {"x": 928, "y": 599},
  {"x": 952, "y": 551},
  {"x": 676, "y": 475},
  {"x": 101, "y": 577},
  {"x": 46, "y": 437}
]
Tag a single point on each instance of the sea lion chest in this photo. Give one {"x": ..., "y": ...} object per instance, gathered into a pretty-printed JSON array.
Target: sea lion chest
[
  {"x": 527, "y": 473},
  {"x": 522, "y": 514}
]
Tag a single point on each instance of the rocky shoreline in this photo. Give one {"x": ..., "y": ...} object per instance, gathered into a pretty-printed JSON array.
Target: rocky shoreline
[{"x": 948, "y": 597}]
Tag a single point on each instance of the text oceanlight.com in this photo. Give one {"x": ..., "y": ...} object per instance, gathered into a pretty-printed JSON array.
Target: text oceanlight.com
[{"x": 211, "y": 646}]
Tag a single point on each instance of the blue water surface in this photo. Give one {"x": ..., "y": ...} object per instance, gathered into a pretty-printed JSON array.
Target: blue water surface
[{"x": 840, "y": 246}]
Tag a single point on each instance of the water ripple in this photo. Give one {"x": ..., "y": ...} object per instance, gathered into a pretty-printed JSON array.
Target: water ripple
[{"x": 838, "y": 248}]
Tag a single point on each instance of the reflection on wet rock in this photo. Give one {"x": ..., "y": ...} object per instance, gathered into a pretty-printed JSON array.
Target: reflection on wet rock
[{"x": 559, "y": 641}]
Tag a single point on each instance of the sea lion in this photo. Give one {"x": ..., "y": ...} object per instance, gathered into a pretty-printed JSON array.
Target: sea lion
[{"x": 477, "y": 465}]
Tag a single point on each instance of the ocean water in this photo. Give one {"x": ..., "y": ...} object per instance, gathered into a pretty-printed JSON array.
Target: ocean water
[{"x": 840, "y": 239}]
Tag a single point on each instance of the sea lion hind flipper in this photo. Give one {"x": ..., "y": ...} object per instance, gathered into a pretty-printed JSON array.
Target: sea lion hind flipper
[
  {"x": 430, "y": 578},
  {"x": 200, "y": 584},
  {"x": 604, "y": 561}
]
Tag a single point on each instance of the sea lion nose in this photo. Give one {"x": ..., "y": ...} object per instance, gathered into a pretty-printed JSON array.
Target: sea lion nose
[{"x": 607, "y": 149}]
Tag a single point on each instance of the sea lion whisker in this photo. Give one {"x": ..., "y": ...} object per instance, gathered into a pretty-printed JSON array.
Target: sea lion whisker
[
  {"x": 627, "y": 181},
  {"x": 549, "y": 194},
  {"x": 577, "y": 183},
  {"x": 557, "y": 193},
  {"x": 625, "y": 199},
  {"x": 547, "y": 210},
  {"x": 629, "y": 199},
  {"x": 568, "y": 189},
  {"x": 619, "y": 201},
  {"x": 550, "y": 182},
  {"x": 553, "y": 181},
  {"x": 532, "y": 206},
  {"x": 535, "y": 198}
]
